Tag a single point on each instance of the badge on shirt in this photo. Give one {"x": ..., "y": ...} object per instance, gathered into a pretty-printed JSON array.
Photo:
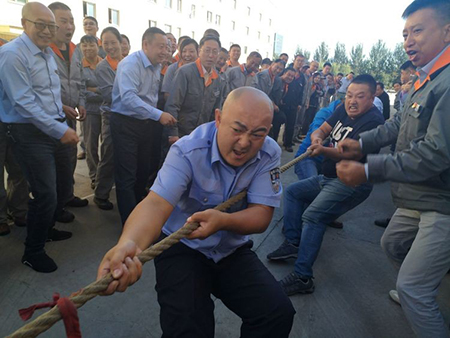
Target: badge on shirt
[
  {"x": 416, "y": 106},
  {"x": 275, "y": 179}
]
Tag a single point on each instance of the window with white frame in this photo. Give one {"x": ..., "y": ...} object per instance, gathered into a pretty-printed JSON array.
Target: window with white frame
[{"x": 113, "y": 16}]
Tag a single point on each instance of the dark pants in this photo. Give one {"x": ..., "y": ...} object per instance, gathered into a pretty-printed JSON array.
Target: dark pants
[
  {"x": 289, "y": 126},
  {"x": 137, "y": 150},
  {"x": 186, "y": 279},
  {"x": 278, "y": 119},
  {"x": 46, "y": 164},
  {"x": 310, "y": 113},
  {"x": 73, "y": 156}
]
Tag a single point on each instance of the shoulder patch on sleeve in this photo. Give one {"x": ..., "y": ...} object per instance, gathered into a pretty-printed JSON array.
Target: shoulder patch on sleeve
[{"x": 275, "y": 179}]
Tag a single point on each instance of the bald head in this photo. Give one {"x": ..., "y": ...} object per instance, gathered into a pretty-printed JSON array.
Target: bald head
[
  {"x": 243, "y": 125},
  {"x": 38, "y": 22}
]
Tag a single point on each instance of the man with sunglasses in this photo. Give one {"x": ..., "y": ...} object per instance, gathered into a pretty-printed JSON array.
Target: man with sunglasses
[{"x": 31, "y": 109}]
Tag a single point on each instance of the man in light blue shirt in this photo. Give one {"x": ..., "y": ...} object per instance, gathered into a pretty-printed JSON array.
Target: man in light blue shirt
[
  {"x": 136, "y": 123},
  {"x": 216, "y": 161},
  {"x": 31, "y": 109}
]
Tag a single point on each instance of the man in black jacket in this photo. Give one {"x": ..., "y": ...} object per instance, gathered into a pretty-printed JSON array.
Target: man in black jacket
[{"x": 384, "y": 97}]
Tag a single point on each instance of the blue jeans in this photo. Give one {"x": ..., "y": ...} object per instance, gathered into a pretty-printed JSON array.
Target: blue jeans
[
  {"x": 306, "y": 169},
  {"x": 309, "y": 205},
  {"x": 47, "y": 166}
]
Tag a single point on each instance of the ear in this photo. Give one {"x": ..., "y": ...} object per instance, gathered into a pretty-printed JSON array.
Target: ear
[
  {"x": 23, "y": 21},
  {"x": 446, "y": 30},
  {"x": 218, "y": 116}
]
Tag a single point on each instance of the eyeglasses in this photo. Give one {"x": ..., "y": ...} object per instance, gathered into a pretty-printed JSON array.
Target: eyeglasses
[
  {"x": 210, "y": 51},
  {"x": 40, "y": 26}
]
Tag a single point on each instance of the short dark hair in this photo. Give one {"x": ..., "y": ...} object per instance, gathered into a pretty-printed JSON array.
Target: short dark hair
[
  {"x": 207, "y": 38},
  {"x": 288, "y": 69},
  {"x": 396, "y": 81},
  {"x": 58, "y": 5},
  {"x": 284, "y": 54},
  {"x": 340, "y": 74},
  {"x": 440, "y": 7},
  {"x": 299, "y": 55},
  {"x": 181, "y": 38},
  {"x": 280, "y": 61},
  {"x": 266, "y": 61},
  {"x": 254, "y": 55},
  {"x": 211, "y": 31},
  {"x": 112, "y": 30},
  {"x": 327, "y": 64},
  {"x": 87, "y": 17},
  {"x": 381, "y": 84},
  {"x": 89, "y": 39},
  {"x": 235, "y": 45},
  {"x": 407, "y": 65},
  {"x": 187, "y": 42},
  {"x": 126, "y": 38},
  {"x": 224, "y": 50},
  {"x": 150, "y": 33},
  {"x": 368, "y": 80}
]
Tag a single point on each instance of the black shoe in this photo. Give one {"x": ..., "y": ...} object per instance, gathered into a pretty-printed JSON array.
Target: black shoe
[
  {"x": 336, "y": 225},
  {"x": 285, "y": 251},
  {"x": 103, "y": 204},
  {"x": 40, "y": 262},
  {"x": 4, "y": 229},
  {"x": 93, "y": 184},
  {"x": 20, "y": 222},
  {"x": 77, "y": 202},
  {"x": 294, "y": 283},
  {"x": 58, "y": 235},
  {"x": 289, "y": 149},
  {"x": 81, "y": 156},
  {"x": 65, "y": 217},
  {"x": 382, "y": 222}
]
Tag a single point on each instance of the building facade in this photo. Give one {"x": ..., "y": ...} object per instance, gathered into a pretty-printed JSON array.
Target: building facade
[{"x": 249, "y": 23}]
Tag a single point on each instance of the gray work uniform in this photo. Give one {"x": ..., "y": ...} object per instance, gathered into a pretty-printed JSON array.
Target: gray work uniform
[
  {"x": 104, "y": 178},
  {"x": 169, "y": 76},
  {"x": 238, "y": 77},
  {"x": 190, "y": 101}
]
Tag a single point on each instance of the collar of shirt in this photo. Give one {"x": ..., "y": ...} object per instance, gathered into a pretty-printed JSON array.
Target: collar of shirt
[
  {"x": 424, "y": 71},
  {"x": 56, "y": 50},
  {"x": 112, "y": 62},
  {"x": 146, "y": 62},
  {"x": 202, "y": 71},
  {"x": 86, "y": 63},
  {"x": 216, "y": 157},
  {"x": 31, "y": 46}
]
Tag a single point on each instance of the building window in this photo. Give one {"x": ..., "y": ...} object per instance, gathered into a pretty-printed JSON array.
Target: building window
[
  {"x": 179, "y": 31},
  {"x": 209, "y": 16},
  {"x": 88, "y": 9},
  {"x": 151, "y": 23},
  {"x": 248, "y": 11},
  {"x": 193, "y": 35},
  {"x": 23, "y": 2},
  {"x": 260, "y": 16},
  {"x": 248, "y": 30},
  {"x": 245, "y": 50},
  {"x": 233, "y": 25},
  {"x": 268, "y": 38},
  {"x": 235, "y": 4},
  {"x": 192, "y": 15},
  {"x": 168, "y": 28},
  {"x": 179, "y": 5},
  {"x": 270, "y": 22},
  {"x": 259, "y": 35},
  {"x": 218, "y": 20},
  {"x": 113, "y": 16},
  {"x": 168, "y": 3}
]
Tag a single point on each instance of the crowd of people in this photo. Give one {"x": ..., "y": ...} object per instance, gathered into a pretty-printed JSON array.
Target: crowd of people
[{"x": 182, "y": 125}]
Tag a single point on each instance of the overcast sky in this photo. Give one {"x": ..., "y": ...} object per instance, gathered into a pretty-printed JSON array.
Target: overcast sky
[{"x": 308, "y": 23}]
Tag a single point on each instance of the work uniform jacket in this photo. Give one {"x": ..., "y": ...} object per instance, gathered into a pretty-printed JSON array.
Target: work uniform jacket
[
  {"x": 238, "y": 77},
  {"x": 269, "y": 85},
  {"x": 106, "y": 74},
  {"x": 191, "y": 101},
  {"x": 420, "y": 168},
  {"x": 93, "y": 100},
  {"x": 70, "y": 74}
]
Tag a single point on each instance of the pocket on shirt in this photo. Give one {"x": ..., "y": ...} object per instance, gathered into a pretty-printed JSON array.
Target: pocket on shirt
[{"x": 204, "y": 199}]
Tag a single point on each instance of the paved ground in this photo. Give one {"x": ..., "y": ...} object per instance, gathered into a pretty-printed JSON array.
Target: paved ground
[{"x": 353, "y": 278}]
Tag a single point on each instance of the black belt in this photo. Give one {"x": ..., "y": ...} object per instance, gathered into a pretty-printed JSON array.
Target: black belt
[{"x": 62, "y": 119}]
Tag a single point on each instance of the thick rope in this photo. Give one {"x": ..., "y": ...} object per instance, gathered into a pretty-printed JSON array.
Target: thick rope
[{"x": 48, "y": 319}]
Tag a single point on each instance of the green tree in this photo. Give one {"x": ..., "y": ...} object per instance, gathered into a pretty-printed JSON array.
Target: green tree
[
  {"x": 340, "y": 54},
  {"x": 381, "y": 62},
  {"x": 304, "y": 52},
  {"x": 357, "y": 59},
  {"x": 399, "y": 55},
  {"x": 321, "y": 54}
]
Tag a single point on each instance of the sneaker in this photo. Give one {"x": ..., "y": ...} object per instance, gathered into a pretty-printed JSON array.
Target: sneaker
[
  {"x": 4, "y": 229},
  {"x": 285, "y": 251},
  {"x": 393, "y": 294},
  {"x": 81, "y": 156},
  {"x": 294, "y": 283},
  {"x": 103, "y": 204},
  {"x": 20, "y": 222},
  {"x": 40, "y": 262},
  {"x": 336, "y": 225},
  {"x": 383, "y": 223},
  {"x": 58, "y": 235},
  {"x": 65, "y": 217},
  {"x": 289, "y": 149},
  {"x": 77, "y": 202}
]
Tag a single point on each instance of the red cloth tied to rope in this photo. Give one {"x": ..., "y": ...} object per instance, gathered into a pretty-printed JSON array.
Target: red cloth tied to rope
[{"x": 66, "y": 308}]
